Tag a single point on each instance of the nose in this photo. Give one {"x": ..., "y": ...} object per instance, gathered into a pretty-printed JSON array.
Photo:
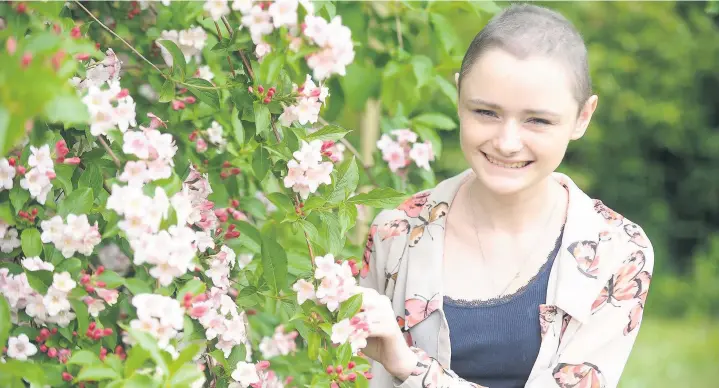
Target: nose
[{"x": 508, "y": 140}]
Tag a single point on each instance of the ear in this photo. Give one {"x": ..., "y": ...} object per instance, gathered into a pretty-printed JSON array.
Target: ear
[{"x": 585, "y": 116}]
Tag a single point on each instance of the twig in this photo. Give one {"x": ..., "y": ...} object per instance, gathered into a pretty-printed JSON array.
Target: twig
[
  {"x": 229, "y": 29},
  {"x": 354, "y": 152},
  {"x": 229, "y": 61},
  {"x": 109, "y": 151},
  {"x": 119, "y": 37},
  {"x": 398, "y": 26},
  {"x": 246, "y": 62},
  {"x": 307, "y": 237},
  {"x": 276, "y": 132}
]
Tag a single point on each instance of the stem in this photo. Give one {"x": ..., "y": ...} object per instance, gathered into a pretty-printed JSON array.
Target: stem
[
  {"x": 227, "y": 25},
  {"x": 276, "y": 132},
  {"x": 119, "y": 37},
  {"x": 109, "y": 151},
  {"x": 398, "y": 26},
  {"x": 246, "y": 62},
  {"x": 307, "y": 237},
  {"x": 229, "y": 61}
]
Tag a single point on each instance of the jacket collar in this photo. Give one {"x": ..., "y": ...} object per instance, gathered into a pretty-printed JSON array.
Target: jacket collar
[{"x": 569, "y": 288}]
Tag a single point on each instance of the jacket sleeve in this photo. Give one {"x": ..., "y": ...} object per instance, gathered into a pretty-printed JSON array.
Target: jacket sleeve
[
  {"x": 595, "y": 355},
  {"x": 428, "y": 369}
]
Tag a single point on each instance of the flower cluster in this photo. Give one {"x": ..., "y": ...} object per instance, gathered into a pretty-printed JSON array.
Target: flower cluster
[
  {"x": 53, "y": 307},
  {"x": 37, "y": 179},
  {"x": 7, "y": 174},
  {"x": 154, "y": 150},
  {"x": 77, "y": 235},
  {"x": 220, "y": 266},
  {"x": 160, "y": 316},
  {"x": 336, "y": 47},
  {"x": 308, "y": 104},
  {"x": 107, "y": 70},
  {"x": 280, "y": 344},
  {"x": 214, "y": 136},
  {"x": 307, "y": 170},
  {"x": 110, "y": 107},
  {"x": 191, "y": 41},
  {"x": 255, "y": 375},
  {"x": 192, "y": 205},
  {"x": 337, "y": 284},
  {"x": 222, "y": 319},
  {"x": 171, "y": 252},
  {"x": 404, "y": 148}
]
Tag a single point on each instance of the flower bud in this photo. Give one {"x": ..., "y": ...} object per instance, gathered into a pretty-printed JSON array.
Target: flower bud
[
  {"x": 75, "y": 33},
  {"x": 101, "y": 284},
  {"x": 352, "y": 376},
  {"x": 260, "y": 89},
  {"x": 235, "y": 171},
  {"x": 20, "y": 170},
  {"x": 52, "y": 352},
  {"x": 66, "y": 376},
  {"x": 351, "y": 365},
  {"x": 43, "y": 348},
  {"x": 26, "y": 59},
  {"x": 107, "y": 331},
  {"x": 368, "y": 375},
  {"x": 190, "y": 100},
  {"x": 267, "y": 100},
  {"x": 339, "y": 369},
  {"x": 72, "y": 161},
  {"x": 21, "y": 8},
  {"x": 91, "y": 326},
  {"x": 11, "y": 45},
  {"x": 54, "y": 330}
]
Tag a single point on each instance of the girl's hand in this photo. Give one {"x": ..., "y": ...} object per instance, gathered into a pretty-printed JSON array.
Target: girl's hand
[{"x": 386, "y": 344}]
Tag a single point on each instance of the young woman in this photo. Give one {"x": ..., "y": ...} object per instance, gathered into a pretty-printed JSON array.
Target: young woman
[{"x": 508, "y": 275}]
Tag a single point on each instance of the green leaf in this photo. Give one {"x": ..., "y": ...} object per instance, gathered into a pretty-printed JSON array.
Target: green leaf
[
  {"x": 80, "y": 309},
  {"x": 63, "y": 177},
  {"x": 148, "y": 343},
  {"x": 141, "y": 381},
  {"x": 271, "y": 66},
  {"x": 260, "y": 162},
  {"x": 84, "y": 357},
  {"x": 25, "y": 369},
  {"x": 310, "y": 229},
  {"x": 384, "y": 198},
  {"x": 92, "y": 178},
  {"x": 328, "y": 132},
  {"x": 313, "y": 345},
  {"x": 178, "y": 58},
  {"x": 262, "y": 117},
  {"x": 194, "y": 287},
  {"x": 167, "y": 92},
  {"x": 97, "y": 373},
  {"x": 423, "y": 69},
  {"x": 68, "y": 109},
  {"x": 204, "y": 91},
  {"x": 186, "y": 375},
  {"x": 111, "y": 279},
  {"x": 239, "y": 353},
  {"x": 185, "y": 356},
  {"x": 5, "y": 321},
  {"x": 348, "y": 215},
  {"x": 7, "y": 138},
  {"x": 344, "y": 353},
  {"x": 40, "y": 281},
  {"x": 237, "y": 126},
  {"x": 274, "y": 264},
  {"x": 31, "y": 243},
  {"x": 334, "y": 240},
  {"x": 350, "y": 307},
  {"x": 250, "y": 235},
  {"x": 445, "y": 32},
  {"x": 347, "y": 183},
  {"x": 435, "y": 120},
  {"x": 136, "y": 357},
  {"x": 219, "y": 356},
  {"x": 282, "y": 201},
  {"x": 6, "y": 215},
  {"x": 18, "y": 197},
  {"x": 447, "y": 88},
  {"x": 79, "y": 202},
  {"x": 137, "y": 286}
]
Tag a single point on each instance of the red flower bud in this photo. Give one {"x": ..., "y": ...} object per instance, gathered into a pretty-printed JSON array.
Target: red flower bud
[
  {"x": 43, "y": 348},
  {"x": 21, "y": 8},
  {"x": 351, "y": 364},
  {"x": 97, "y": 334},
  {"x": 11, "y": 161},
  {"x": 119, "y": 349},
  {"x": 343, "y": 377},
  {"x": 67, "y": 377},
  {"x": 100, "y": 270},
  {"x": 267, "y": 100},
  {"x": 190, "y": 100},
  {"x": 89, "y": 289},
  {"x": 264, "y": 364},
  {"x": 82, "y": 56},
  {"x": 368, "y": 375},
  {"x": 339, "y": 369},
  {"x": 44, "y": 333},
  {"x": 352, "y": 376},
  {"x": 11, "y": 45},
  {"x": 57, "y": 59},
  {"x": 52, "y": 352},
  {"x": 226, "y": 164},
  {"x": 54, "y": 330},
  {"x": 74, "y": 334},
  {"x": 334, "y": 385},
  {"x": 330, "y": 370},
  {"x": 34, "y": 212},
  {"x": 224, "y": 175},
  {"x": 85, "y": 279},
  {"x": 73, "y": 161},
  {"x": 101, "y": 284},
  {"x": 20, "y": 170},
  {"x": 91, "y": 326},
  {"x": 107, "y": 331},
  {"x": 178, "y": 105},
  {"x": 26, "y": 59},
  {"x": 75, "y": 33},
  {"x": 272, "y": 90},
  {"x": 260, "y": 89},
  {"x": 235, "y": 171}
]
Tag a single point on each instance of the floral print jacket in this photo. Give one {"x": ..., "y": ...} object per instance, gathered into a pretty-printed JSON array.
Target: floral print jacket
[{"x": 595, "y": 298}]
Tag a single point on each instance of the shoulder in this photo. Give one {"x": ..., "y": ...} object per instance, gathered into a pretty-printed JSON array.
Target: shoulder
[{"x": 628, "y": 239}]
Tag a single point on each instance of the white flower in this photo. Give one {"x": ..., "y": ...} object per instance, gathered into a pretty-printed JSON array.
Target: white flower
[
  {"x": 135, "y": 173},
  {"x": 7, "y": 173},
  {"x": 136, "y": 143},
  {"x": 205, "y": 73},
  {"x": 125, "y": 113},
  {"x": 215, "y": 133},
  {"x": 63, "y": 282},
  {"x": 305, "y": 291},
  {"x": 244, "y": 259},
  {"x": 216, "y": 8},
  {"x": 245, "y": 374},
  {"x": 422, "y": 154},
  {"x": 259, "y": 22},
  {"x": 52, "y": 229},
  {"x": 405, "y": 135},
  {"x": 36, "y": 264},
  {"x": 56, "y": 301},
  {"x": 262, "y": 50},
  {"x": 9, "y": 241},
  {"x": 244, "y": 6},
  {"x": 283, "y": 12},
  {"x": 40, "y": 158},
  {"x": 20, "y": 348},
  {"x": 95, "y": 306},
  {"x": 37, "y": 183},
  {"x": 395, "y": 156}
]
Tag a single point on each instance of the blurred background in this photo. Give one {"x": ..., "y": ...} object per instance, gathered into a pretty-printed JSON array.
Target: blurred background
[{"x": 651, "y": 153}]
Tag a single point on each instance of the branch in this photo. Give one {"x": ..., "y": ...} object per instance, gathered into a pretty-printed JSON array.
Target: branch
[
  {"x": 109, "y": 151},
  {"x": 246, "y": 62},
  {"x": 398, "y": 26},
  {"x": 307, "y": 237},
  {"x": 229, "y": 61},
  {"x": 357, "y": 155},
  {"x": 119, "y": 37},
  {"x": 276, "y": 132}
]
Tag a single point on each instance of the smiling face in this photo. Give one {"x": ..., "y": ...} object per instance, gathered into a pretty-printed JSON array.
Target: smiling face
[{"x": 517, "y": 117}]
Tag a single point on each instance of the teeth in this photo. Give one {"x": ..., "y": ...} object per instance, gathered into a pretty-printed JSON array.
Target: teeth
[{"x": 505, "y": 165}]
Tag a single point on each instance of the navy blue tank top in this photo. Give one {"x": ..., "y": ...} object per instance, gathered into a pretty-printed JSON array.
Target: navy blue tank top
[{"x": 496, "y": 342}]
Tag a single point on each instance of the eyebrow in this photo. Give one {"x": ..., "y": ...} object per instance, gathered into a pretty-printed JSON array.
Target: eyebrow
[{"x": 538, "y": 112}]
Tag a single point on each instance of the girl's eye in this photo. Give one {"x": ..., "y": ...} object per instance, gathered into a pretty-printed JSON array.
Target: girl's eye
[
  {"x": 484, "y": 112},
  {"x": 536, "y": 120}
]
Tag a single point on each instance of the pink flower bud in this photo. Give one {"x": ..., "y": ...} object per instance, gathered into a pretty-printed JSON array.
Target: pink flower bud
[
  {"x": 264, "y": 364},
  {"x": 73, "y": 161},
  {"x": 51, "y": 174},
  {"x": 123, "y": 93},
  {"x": 75, "y": 33},
  {"x": 201, "y": 145},
  {"x": 190, "y": 100},
  {"x": 82, "y": 56},
  {"x": 26, "y": 59},
  {"x": 11, "y": 45},
  {"x": 178, "y": 105}
]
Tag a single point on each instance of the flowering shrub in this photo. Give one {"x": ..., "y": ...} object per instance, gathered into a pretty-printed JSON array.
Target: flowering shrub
[{"x": 181, "y": 221}]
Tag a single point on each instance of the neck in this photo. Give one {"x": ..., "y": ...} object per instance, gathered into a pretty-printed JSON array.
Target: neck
[{"x": 516, "y": 213}]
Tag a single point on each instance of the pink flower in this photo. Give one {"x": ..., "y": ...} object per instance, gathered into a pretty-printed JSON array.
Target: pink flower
[{"x": 422, "y": 154}]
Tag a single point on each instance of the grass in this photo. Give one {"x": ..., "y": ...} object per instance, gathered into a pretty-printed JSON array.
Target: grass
[{"x": 674, "y": 353}]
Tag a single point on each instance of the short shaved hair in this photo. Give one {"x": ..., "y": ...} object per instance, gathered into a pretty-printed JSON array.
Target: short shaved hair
[{"x": 525, "y": 30}]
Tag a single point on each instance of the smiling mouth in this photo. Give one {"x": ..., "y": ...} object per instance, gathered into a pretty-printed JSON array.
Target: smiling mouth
[{"x": 516, "y": 165}]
